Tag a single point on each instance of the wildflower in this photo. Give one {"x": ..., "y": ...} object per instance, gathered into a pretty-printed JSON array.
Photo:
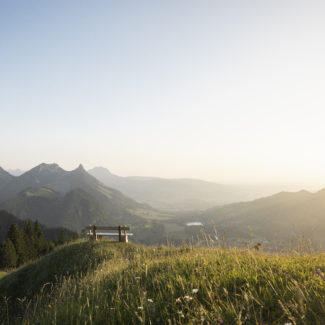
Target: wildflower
[
  {"x": 195, "y": 290},
  {"x": 181, "y": 314},
  {"x": 150, "y": 300},
  {"x": 140, "y": 307},
  {"x": 220, "y": 320},
  {"x": 320, "y": 273},
  {"x": 288, "y": 323},
  {"x": 178, "y": 300},
  {"x": 188, "y": 298}
]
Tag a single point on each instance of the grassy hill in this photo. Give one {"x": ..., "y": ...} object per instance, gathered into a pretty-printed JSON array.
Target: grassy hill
[{"x": 113, "y": 283}]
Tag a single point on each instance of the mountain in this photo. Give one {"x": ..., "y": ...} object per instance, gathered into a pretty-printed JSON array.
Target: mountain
[
  {"x": 72, "y": 210},
  {"x": 68, "y": 198},
  {"x": 37, "y": 177},
  {"x": 175, "y": 194},
  {"x": 281, "y": 218},
  {"x": 5, "y": 178}
]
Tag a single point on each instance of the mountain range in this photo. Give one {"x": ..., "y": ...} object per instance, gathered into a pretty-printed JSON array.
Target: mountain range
[
  {"x": 172, "y": 194},
  {"x": 281, "y": 218},
  {"x": 73, "y": 199}
]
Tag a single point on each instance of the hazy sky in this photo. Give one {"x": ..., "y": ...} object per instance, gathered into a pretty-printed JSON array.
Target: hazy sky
[{"x": 221, "y": 90}]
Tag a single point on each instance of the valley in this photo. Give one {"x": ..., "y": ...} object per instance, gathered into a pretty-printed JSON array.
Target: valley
[{"x": 75, "y": 199}]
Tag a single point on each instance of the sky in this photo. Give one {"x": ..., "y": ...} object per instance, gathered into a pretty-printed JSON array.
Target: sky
[{"x": 227, "y": 91}]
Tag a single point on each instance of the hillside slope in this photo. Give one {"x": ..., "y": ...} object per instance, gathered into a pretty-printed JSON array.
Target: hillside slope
[
  {"x": 282, "y": 217},
  {"x": 7, "y": 219},
  {"x": 106, "y": 283},
  {"x": 73, "y": 210},
  {"x": 5, "y": 178}
]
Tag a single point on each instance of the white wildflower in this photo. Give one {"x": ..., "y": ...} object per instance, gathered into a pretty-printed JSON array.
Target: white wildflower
[
  {"x": 181, "y": 314},
  {"x": 320, "y": 273},
  {"x": 195, "y": 290}
]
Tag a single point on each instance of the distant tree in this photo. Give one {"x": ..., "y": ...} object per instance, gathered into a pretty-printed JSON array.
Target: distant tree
[
  {"x": 17, "y": 239},
  {"x": 83, "y": 233},
  {"x": 63, "y": 237},
  {"x": 75, "y": 235},
  {"x": 40, "y": 244},
  {"x": 29, "y": 238},
  {"x": 8, "y": 256},
  {"x": 51, "y": 246}
]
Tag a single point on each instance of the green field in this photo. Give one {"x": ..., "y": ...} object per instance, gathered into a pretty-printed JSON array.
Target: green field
[
  {"x": 115, "y": 283},
  {"x": 2, "y": 274}
]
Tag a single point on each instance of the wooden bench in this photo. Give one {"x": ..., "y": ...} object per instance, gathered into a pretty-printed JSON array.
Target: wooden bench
[{"x": 121, "y": 232}]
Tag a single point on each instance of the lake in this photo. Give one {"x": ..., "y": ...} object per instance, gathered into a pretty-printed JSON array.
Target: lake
[{"x": 195, "y": 223}]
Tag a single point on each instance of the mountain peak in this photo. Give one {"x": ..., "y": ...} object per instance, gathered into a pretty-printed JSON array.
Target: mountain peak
[
  {"x": 46, "y": 168},
  {"x": 100, "y": 170},
  {"x": 80, "y": 168}
]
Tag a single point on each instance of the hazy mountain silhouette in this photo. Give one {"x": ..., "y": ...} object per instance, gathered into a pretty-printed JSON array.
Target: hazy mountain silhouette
[
  {"x": 284, "y": 217},
  {"x": 163, "y": 193},
  {"x": 67, "y": 198}
]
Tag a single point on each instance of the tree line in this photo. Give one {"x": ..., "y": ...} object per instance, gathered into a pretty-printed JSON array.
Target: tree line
[{"x": 26, "y": 244}]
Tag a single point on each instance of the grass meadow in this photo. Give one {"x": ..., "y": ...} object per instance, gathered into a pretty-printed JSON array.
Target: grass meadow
[
  {"x": 2, "y": 274},
  {"x": 114, "y": 283}
]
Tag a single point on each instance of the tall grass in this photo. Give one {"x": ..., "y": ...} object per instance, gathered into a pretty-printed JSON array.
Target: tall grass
[{"x": 129, "y": 284}]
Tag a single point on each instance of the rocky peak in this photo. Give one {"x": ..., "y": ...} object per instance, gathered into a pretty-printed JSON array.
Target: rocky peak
[
  {"x": 80, "y": 169},
  {"x": 48, "y": 168}
]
